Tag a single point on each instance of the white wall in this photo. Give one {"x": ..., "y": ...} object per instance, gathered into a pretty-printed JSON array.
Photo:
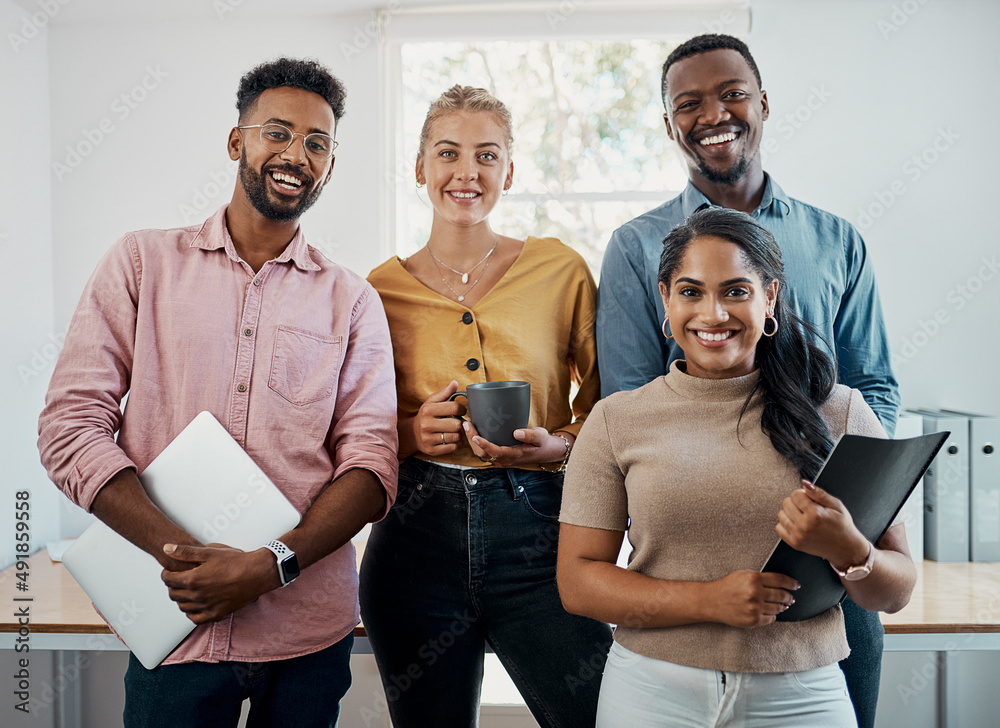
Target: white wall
[
  {"x": 885, "y": 83},
  {"x": 29, "y": 339}
]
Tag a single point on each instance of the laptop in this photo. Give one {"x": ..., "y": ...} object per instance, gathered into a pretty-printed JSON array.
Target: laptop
[{"x": 209, "y": 486}]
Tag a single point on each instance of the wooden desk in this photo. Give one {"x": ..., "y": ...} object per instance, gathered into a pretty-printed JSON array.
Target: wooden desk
[
  {"x": 950, "y": 603},
  {"x": 62, "y": 617}
]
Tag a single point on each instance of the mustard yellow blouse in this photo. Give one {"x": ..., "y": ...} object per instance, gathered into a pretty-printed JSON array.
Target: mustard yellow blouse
[{"x": 536, "y": 324}]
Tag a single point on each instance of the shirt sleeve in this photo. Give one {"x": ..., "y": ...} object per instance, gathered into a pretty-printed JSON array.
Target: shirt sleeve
[
  {"x": 864, "y": 358},
  {"x": 363, "y": 434},
  {"x": 583, "y": 351},
  {"x": 594, "y": 493},
  {"x": 76, "y": 429},
  {"x": 630, "y": 349}
]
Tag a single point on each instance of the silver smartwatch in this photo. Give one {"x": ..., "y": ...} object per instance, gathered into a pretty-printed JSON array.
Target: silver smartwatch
[{"x": 288, "y": 564}]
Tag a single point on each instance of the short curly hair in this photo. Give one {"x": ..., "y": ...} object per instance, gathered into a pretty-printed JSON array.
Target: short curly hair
[
  {"x": 704, "y": 44},
  {"x": 296, "y": 73}
]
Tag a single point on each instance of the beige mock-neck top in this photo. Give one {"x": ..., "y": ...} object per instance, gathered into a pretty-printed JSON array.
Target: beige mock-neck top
[{"x": 664, "y": 461}]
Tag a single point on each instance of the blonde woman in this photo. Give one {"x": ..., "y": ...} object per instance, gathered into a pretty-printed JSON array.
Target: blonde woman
[{"x": 466, "y": 558}]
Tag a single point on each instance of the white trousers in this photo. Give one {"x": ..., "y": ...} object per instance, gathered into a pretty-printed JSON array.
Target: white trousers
[{"x": 642, "y": 692}]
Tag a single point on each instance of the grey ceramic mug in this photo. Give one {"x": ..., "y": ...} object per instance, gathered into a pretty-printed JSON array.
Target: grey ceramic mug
[{"x": 497, "y": 409}]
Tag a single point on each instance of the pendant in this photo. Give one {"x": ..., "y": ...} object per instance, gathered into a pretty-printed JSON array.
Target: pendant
[
  {"x": 465, "y": 278},
  {"x": 461, "y": 298}
]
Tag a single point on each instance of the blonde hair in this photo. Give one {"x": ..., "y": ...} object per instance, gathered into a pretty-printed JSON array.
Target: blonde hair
[{"x": 466, "y": 98}]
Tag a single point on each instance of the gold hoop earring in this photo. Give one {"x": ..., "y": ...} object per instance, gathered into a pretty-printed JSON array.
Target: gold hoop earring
[
  {"x": 663, "y": 328},
  {"x": 764, "y": 328},
  {"x": 420, "y": 185}
]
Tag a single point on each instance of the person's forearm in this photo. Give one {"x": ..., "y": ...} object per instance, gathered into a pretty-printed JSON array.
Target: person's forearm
[
  {"x": 336, "y": 516},
  {"x": 407, "y": 437},
  {"x": 124, "y": 506},
  {"x": 609, "y": 593}
]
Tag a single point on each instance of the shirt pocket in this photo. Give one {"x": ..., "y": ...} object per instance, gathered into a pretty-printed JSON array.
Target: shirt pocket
[{"x": 304, "y": 365}]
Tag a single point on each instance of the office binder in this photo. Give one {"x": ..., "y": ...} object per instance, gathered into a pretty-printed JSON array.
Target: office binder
[
  {"x": 873, "y": 477},
  {"x": 910, "y": 425},
  {"x": 946, "y": 490},
  {"x": 984, "y": 486}
]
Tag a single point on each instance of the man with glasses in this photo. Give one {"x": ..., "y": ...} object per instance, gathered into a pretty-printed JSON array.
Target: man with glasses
[{"x": 291, "y": 352}]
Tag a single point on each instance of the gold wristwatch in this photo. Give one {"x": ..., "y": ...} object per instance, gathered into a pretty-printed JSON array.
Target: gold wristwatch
[{"x": 859, "y": 572}]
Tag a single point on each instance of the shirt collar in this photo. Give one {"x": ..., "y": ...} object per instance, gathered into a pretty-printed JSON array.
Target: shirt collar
[
  {"x": 214, "y": 235},
  {"x": 774, "y": 197}
]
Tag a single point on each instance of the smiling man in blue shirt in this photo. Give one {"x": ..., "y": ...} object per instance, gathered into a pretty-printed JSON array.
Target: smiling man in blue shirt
[{"x": 715, "y": 111}]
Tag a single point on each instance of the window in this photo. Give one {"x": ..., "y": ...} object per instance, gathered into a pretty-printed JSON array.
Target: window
[{"x": 590, "y": 149}]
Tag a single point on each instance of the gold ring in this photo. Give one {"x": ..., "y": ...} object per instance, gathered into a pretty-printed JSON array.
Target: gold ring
[
  {"x": 493, "y": 459},
  {"x": 442, "y": 439}
]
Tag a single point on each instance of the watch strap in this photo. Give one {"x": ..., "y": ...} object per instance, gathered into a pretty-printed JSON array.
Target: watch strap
[
  {"x": 859, "y": 571},
  {"x": 282, "y": 553}
]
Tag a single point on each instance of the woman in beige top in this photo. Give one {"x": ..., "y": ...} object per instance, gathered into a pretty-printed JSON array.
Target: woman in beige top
[
  {"x": 703, "y": 467},
  {"x": 466, "y": 556}
]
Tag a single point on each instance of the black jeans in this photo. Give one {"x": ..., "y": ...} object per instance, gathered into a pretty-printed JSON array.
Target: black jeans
[
  {"x": 465, "y": 559},
  {"x": 863, "y": 669},
  {"x": 301, "y": 692}
]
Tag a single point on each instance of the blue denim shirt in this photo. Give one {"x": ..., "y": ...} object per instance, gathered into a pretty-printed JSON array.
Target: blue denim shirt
[{"x": 830, "y": 284}]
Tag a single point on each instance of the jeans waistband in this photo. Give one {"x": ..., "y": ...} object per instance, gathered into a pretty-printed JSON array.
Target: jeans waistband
[{"x": 512, "y": 480}]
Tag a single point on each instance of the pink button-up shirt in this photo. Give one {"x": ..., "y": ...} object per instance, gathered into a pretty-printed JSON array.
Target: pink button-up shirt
[{"x": 294, "y": 361}]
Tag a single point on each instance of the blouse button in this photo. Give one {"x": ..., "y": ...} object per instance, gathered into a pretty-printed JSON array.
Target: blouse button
[
  {"x": 241, "y": 387},
  {"x": 256, "y": 281},
  {"x": 248, "y": 332},
  {"x": 466, "y": 318},
  {"x": 472, "y": 365}
]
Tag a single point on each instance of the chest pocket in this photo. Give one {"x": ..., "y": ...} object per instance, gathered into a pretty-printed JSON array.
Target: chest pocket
[{"x": 305, "y": 366}]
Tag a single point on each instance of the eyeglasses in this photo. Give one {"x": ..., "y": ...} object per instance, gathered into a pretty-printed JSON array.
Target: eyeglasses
[{"x": 276, "y": 138}]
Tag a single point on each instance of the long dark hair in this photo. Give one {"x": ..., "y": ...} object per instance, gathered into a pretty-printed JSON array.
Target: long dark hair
[{"x": 796, "y": 376}]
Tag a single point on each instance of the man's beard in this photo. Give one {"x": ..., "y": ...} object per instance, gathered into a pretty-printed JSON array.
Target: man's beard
[
  {"x": 254, "y": 186},
  {"x": 726, "y": 176}
]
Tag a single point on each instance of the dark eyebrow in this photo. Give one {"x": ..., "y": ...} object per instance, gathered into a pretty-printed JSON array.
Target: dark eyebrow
[
  {"x": 290, "y": 125},
  {"x": 719, "y": 87},
  {"x": 730, "y": 282},
  {"x": 456, "y": 144}
]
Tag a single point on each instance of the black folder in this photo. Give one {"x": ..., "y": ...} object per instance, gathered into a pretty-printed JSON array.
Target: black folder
[{"x": 873, "y": 477}]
